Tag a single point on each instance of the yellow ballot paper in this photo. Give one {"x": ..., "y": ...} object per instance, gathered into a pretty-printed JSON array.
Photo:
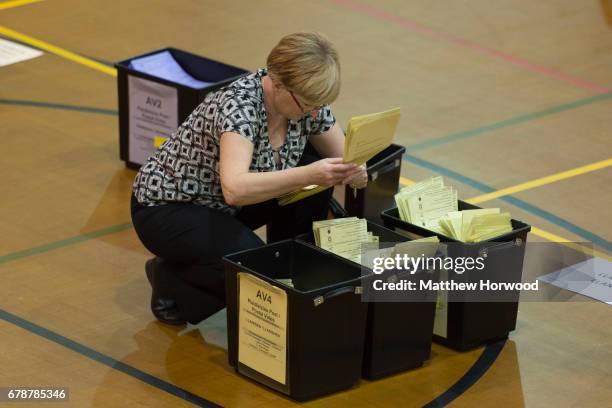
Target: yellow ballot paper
[
  {"x": 469, "y": 215},
  {"x": 366, "y": 136},
  {"x": 345, "y": 239},
  {"x": 431, "y": 205},
  {"x": 298, "y": 195},
  {"x": 489, "y": 226},
  {"x": 476, "y": 225},
  {"x": 262, "y": 327},
  {"x": 344, "y": 236},
  {"x": 317, "y": 226},
  {"x": 426, "y": 202}
]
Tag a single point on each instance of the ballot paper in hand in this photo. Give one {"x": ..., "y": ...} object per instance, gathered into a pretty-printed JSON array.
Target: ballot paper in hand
[
  {"x": 366, "y": 136},
  {"x": 163, "y": 65}
]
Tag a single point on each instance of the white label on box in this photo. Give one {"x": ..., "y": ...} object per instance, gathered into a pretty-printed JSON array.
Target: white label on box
[
  {"x": 262, "y": 327},
  {"x": 11, "y": 52},
  {"x": 153, "y": 113}
]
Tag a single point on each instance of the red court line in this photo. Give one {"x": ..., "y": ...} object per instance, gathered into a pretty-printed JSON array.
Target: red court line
[{"x": 462, "y": 42}]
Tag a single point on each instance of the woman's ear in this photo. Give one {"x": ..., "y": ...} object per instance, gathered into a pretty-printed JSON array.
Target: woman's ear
[{"x": 277, "y": 84}]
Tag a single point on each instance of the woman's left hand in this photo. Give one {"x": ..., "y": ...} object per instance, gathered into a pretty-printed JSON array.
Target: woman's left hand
[{"x": 359, "y": 180}]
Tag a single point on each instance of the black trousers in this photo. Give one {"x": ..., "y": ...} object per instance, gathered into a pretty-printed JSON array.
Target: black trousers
[{"x": 191, "y": 240}]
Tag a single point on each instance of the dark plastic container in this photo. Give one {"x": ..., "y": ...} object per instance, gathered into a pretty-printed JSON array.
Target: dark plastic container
[
  {"x": 471, "y": 324},
  {"x": 326, "y": 318},
  {"x": 201, "y": 68},
  {"x": 383, "y": 180},
  {"x": 392, "y": 345}
]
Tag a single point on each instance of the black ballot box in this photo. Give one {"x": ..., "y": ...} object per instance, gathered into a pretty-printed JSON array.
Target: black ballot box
[
  {"x": 465, "y": 321},
  {"x": 151, "y": 107},
  {"x": 303, "y": 339},
  {"x": 398, "y": 331},
  {"x": 383, "y": 181}
]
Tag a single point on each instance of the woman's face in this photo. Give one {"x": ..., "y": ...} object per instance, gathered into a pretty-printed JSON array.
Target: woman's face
[{"x": 291, "y": 105}]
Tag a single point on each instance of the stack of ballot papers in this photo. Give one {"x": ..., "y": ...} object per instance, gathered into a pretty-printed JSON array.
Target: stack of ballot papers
[
  {"x": 343, "y": 236},
  {"x": 366, "y": 136},
  {"x": 426, "y": 202},
  {"x": 433, "y": 206},
  {"x": 476, "y": 225}
]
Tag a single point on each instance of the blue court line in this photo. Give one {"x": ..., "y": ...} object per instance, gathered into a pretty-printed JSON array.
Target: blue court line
[
  {"x": 106, "y": 360},
  {"x": 453, "y": 137},
  {"x": 596, "y": 239},
  {"x": 64, "y": 242},
  {"x": 480, "y": 367},
  {"x": 50, "y": 105}
]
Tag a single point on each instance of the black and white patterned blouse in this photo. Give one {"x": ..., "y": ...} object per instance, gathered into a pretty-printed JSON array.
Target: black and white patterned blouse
[{"x": 186, "y": 167}]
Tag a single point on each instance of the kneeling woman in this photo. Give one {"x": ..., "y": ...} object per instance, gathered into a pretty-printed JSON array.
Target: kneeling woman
[{"x": 216, "y": 179}]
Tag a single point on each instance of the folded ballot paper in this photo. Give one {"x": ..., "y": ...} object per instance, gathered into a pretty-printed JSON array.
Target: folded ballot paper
[
  {"x": 366, "y": 136},
  {"x": 431, "y": 205},
  {"x": 476, "y": 225}
]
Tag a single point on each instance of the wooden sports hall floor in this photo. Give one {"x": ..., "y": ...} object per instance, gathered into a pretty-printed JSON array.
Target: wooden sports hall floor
[{"x": 494, "y": 94}]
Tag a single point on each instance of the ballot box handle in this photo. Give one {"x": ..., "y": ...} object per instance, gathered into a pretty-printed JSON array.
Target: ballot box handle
[
  {"x": 319, "y": 300},
  {"x": 387, "y": 167},
  {"x": 484, "y": 252}
]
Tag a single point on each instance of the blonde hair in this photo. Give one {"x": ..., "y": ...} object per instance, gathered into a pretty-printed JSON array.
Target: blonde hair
[{"x": 307, "y": 64}]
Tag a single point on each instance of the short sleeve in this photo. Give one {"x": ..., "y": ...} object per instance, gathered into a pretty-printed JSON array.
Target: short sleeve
[
  {"x": 324, "y": 121},
  {"x": 239, "y": 114}
]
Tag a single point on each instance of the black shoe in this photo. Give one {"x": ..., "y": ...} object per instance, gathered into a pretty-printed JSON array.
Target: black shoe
[{"x": 163, "y": 308}]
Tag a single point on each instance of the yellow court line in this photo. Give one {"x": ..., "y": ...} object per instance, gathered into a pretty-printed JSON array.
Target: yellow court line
[
  {"x": 58, "y": 51},
  {"x": 406, "y": 181},
  {"x": 16, "y": 3},
  {"x": 542, "y": 181},
  {"x": 564, "y": 241}
]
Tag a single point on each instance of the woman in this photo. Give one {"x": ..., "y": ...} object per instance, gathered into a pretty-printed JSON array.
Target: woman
[{"x": 216, "y": 179}]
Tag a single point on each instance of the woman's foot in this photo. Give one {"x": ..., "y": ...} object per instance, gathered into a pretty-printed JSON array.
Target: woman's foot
[{"x": 163, "y": 308}]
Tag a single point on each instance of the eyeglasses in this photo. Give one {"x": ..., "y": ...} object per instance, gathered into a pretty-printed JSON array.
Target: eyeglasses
[{"x": 304, "y": 111}]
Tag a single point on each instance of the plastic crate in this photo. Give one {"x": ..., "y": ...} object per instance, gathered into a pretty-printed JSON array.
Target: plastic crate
[
  {"x": 393, "y": 346},
  {"x": 324, "y": 321},
  {"x": 177, "y": 100},
  {"x": 471, "y": 324}
]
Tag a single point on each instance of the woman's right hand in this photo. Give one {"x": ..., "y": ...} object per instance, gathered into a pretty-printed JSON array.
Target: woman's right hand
[{"x": 331, "y": 171}]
